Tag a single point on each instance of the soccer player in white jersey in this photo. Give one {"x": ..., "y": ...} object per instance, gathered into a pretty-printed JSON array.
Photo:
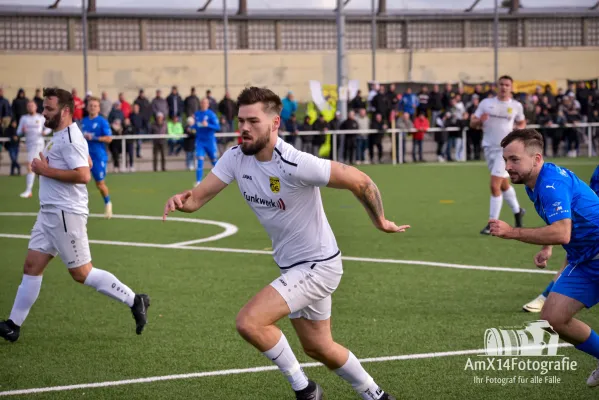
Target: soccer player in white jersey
[
  {"x": 32, "y": 127},
  {"x": 497, "y": 117},
  {"x": 61, "y": 226},
  {"x": 281, "y": 185}
]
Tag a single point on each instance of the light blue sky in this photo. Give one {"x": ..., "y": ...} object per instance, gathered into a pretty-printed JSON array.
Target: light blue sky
[{"x": 303, "y": 4}]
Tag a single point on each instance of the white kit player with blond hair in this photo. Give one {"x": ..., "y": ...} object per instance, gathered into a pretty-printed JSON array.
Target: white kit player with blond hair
[
  {"x": 497, "y": 117},
  {"x": 61, "y": 225},
  {"x": 281, "y": 185},
  {"x": 32, "y": 127}
]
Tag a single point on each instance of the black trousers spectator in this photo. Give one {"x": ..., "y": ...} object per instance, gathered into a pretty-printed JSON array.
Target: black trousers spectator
[
  {"x": 158, "y": 148},
  {"x": 375, "y": 140},
  {"x": 349, "y": 148},
  {"x": 475, "y": 137},
  {"x": 130, "y": 151},
  {"x": 115, "y": 150},
  {"x": 417, "y": 150},
  {"x": 13, "y": 152}
]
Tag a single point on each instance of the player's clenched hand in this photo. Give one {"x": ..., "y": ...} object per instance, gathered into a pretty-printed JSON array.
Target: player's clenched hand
[
  {"x": 39, "y": 166},
  {"x": 500, "y": 229},
  {"x": 390, "y": 227},
  {"x": 484, "y": 117},
  {"x": 542, "y": 257},
  {"x": 175, "y": 203}
]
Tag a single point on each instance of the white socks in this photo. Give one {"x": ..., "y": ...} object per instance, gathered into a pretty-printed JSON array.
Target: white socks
[
  {"x": 108, "y": 284},
  {"x": 495, "y": 206},
  {"x": 30, "y": 179},
  {"x": 510, "y": 198},
  {"x": 283, "y": 357},
  {"x": 27, "y": 294},
  {"x": 353, "y": 372}
]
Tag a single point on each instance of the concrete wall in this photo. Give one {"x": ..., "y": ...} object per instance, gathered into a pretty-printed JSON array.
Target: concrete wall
[{"x": 282, "y": 71}]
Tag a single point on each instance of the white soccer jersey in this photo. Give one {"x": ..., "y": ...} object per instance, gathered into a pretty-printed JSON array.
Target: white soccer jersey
[
  {"x": 502, "y": 115},
  {"x": 285, "y": 196},
  {"x": 67, "y": 150},
  {"x": 32, "y": 126}
]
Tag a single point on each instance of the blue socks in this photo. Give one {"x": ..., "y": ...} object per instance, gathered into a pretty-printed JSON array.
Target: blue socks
[
  {"x": 591, "y": 345},
  {"x": 106, "y": 199},
  {"x": 200, "y": 170},
  {"x": 548, "y": 289}
]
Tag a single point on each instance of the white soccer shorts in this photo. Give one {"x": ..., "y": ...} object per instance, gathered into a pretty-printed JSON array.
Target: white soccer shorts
[
  {"x": 495, "y": 162},
  {"x": 35, "y": 152},
  {"x": 307, "y": 288},
  {"x": 58, "y": 232}
]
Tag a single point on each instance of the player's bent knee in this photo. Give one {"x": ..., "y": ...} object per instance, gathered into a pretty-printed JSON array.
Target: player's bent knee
[
  {"x": 318, "y": 351},
  {"x": 80, "y": 274},
  {"x": 245, "y": 325},
  {"x": 557, "y": 320},
  {"x": 35, "y": 263}
]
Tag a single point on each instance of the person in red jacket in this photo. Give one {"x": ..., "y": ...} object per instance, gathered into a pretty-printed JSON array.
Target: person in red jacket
[
  {"x": 79, "y": 106},
  {"x": 422, "y": 125},
  {"x": 125, "y": 107}
]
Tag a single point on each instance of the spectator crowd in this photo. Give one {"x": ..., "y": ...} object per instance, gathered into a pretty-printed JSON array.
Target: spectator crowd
[{"x": 412, "y": 113}]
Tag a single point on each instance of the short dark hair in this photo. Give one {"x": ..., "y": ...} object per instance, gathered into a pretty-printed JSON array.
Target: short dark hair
[
  {"x": 502, "y": 77},
  {"x": 252, "y": 95},
  {"x": 531, "y": 139},
  {"x": 65, "y": 98}
]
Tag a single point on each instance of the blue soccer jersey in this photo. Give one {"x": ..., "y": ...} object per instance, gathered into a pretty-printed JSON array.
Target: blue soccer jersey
[
  {"x": 98, "y": 127},
  {"x": 559, "y": 194},
  {"x": 206, "y": 133},
  {"x": 594, "y": 184}
]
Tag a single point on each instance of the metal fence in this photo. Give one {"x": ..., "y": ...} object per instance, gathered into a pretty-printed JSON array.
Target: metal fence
[{"x": 196, "y": 32}]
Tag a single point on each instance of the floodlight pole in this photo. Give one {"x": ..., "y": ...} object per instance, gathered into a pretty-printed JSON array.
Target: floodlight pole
[
  {"x": 226, "y": 43},
  {"x": 496, "y": 41},
  {"x": 341, "y": 74},
  {"x": 374, "y": 39},
  {"x": 84, "y": 43}
]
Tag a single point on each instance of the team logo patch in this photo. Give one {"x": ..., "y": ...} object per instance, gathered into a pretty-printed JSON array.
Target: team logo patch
[
  {"x": 275, "y": 184},
  {"x": 50, "y": 144},
  {"x": 509, "y": 110}
]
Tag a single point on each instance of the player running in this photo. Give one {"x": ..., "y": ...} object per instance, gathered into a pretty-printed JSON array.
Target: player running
[
  {"x": 281, "y": 185},
  {"x": 97, "y": 132},
  {"x": 571, "y": 211},
  {"x": 61, "y": 225},
  {"x": 544, "y": 255},
  {"x": 206, "y": 126},
  {"x": 32, "y": 127},
  {"x": 496, "y": 117}
]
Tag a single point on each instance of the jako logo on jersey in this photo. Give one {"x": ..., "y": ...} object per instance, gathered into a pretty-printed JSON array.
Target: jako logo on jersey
[
  {"x": 265, "y": 202},
  {"x": 247, "y": 177},
  {"x": 275, "y": 184}
]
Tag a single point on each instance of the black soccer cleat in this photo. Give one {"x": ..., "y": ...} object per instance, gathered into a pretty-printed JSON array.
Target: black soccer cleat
[
  {"x": 9, "y": 330},
  {"x": 140, "y": 311},
  {"x": 518, "y": 216},
  {"x": 312, "y": 392},
  {"x": 387, "y": 396},
  {"x": 486, "y": 230}
]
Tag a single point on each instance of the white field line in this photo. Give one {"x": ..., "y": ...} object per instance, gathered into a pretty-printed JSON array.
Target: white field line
[
  {"x": 229, "y": 229},
  {"x": 346, "y": 258},
  {"x": 236, "y": 372}
]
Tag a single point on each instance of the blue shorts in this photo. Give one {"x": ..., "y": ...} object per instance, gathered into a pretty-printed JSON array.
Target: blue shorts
[
  {"x": 99, "y": 170},
  {"x": 580, "y": 282},
  {"x": 206, "y": 148}
]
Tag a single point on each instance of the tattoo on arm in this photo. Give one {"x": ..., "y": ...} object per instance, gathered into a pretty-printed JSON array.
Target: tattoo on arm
[{"x": 370, "y": 196}]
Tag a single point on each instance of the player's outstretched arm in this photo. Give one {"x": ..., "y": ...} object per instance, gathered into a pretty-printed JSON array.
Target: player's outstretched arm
[
  {"x": 360, "y": 184},
  {"x": 558, "y": 233},
  {"x": 192, "y": 200}
]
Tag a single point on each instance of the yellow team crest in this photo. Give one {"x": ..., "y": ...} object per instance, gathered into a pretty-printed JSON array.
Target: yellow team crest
[
  {"x": 50, "y": 144},
  {"x": 509, "y": 110},
  {"x": 275, "y": 184}
]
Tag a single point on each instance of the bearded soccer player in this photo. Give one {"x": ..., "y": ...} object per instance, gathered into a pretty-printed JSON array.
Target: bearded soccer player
[
  {"x": 97, "y": 132},
  {"x": 282, "y": 186},
  {"x": 571, "y": 211},
  {"x": 496, "y": 117},
  {"x": 542, "y": 257},
  {"x": 32, "y": 127},
  {"x": 61, "y": 225}
]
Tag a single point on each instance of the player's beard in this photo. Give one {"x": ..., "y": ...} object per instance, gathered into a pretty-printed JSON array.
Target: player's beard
[
  {"x": 53, "y": 122},
  {"x": 518, "y": 178},
  {"x": 260, "y": 142}
]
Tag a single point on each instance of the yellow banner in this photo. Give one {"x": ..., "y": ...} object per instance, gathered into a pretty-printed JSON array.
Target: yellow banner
[{"x": 531, "y": 86}]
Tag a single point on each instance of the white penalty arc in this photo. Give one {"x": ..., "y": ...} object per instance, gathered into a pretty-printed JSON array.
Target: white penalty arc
[{"x": 229, "y": 229}]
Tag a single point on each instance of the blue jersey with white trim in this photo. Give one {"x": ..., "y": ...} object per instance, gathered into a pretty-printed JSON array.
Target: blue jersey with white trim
[
  {"x": 559, "y": 194},
  {"x": 98, "y": 127}
]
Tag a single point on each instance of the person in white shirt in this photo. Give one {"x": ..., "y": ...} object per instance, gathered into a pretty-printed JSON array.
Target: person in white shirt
[
  {"x": 281, "y": 185},
  {"x": 61, "y": 225},
  {"x": 32, "y": 127},
  {"x": 497, "y": 117}
]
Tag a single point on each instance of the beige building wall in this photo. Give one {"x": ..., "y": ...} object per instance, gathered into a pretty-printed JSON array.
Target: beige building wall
[{"x": 281, "y": 71}]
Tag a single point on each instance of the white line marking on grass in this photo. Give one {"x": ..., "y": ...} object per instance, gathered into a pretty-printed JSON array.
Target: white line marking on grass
[
  {"x": 236, "y": 372},
  {"x": 346, "y": 258},
  {"x": 229, "y": 229}
]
